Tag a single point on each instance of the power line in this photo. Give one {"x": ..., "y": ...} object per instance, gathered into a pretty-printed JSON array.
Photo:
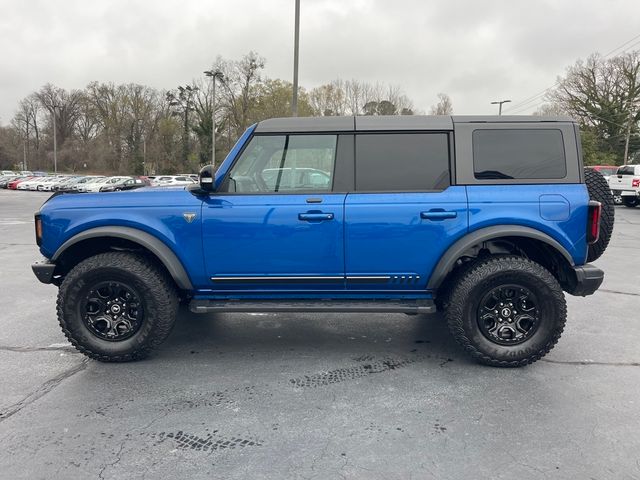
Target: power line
[{"x": 520, "y": 106}]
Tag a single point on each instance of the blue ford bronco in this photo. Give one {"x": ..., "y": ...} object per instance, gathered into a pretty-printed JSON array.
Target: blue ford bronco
[{"x": 488, "y": 219}]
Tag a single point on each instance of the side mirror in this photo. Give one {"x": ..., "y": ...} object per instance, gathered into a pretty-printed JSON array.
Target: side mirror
[{"x": 206, "y": 179}]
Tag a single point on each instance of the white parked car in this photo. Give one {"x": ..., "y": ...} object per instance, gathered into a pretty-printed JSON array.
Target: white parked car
[
  {"x": 172, "y": 180},
  {"x": 7, "y": 173},
  {"x": 91, "y": 183},
  {"x": 46, "y": 183},
  {"x": 30, "y": 184},
  {"x": 96, "y": 186},
  {"x": 78, "y": 184}
]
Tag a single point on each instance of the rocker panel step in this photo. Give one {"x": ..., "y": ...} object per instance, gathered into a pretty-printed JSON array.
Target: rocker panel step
[{"x": 329, "y": 306}]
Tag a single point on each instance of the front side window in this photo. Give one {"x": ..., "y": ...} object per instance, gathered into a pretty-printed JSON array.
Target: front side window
[
  {"x": 397, "y": 162},
  {"x": 285, "y": 163},
  {"x": 526, "y": 154}
]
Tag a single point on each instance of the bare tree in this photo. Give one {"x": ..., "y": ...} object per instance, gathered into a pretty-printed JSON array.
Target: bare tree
[{"x": 443, "y": 107}]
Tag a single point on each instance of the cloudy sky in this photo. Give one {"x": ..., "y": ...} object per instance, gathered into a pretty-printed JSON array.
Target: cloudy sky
[{"x": 475, "y": 51}]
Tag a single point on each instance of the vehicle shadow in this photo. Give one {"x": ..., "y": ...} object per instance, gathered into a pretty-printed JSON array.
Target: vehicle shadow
[{"x": 376, "y": 335}]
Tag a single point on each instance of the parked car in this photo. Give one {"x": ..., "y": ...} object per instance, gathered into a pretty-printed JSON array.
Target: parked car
[
  {"x": 172, "y": 180},
  {"x": 124, "y": 183},
  {"x": 91, "y": 184},
  {"x": 488, "y": 219},
  {"x": 625, "y": 185},
  {"x": 8, "y": 173},
  {"x": 284, "y": 178},
  {"x": 5, "y": 179},
  {"x": 78, "y": 184},
  {"x": 14, "y": 184},
  {"x": 53, "y": 185},
  {"x": 30, "y": 184}
]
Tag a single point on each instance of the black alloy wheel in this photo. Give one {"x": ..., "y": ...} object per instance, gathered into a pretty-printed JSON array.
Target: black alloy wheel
[
  {"x": 113, "y": 311},
  {"x": 508, "y": 314}
]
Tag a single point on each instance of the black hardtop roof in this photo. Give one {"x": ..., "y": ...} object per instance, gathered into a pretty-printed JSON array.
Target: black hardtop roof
[{"x": 390, "y": 122}]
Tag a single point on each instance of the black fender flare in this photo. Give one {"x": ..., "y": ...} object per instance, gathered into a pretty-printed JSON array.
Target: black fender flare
[
  {"x": 144, "y": 239},
  {"x": 448, "y": 259}
]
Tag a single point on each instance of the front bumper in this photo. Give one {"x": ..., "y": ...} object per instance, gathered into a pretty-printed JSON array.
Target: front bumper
[
  {"x": 44, "y": 271},
  {"x": 586, "y": 280}
]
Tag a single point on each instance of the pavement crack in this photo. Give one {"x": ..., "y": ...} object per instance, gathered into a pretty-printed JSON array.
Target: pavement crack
[
  {"x": 589, "y": 362},
  {"x": 114, "y": 463},
  {"x": 618, "y": 292},
  {"x": 42, "y": 390},
  {"x": 50, "y": 348}
]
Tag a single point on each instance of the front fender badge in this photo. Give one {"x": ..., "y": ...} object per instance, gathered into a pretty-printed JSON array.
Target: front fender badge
[{"x": 189, "y": 216}]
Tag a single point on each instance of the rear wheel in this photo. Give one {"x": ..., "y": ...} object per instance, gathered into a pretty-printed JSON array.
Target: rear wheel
[
  {"x": 630, "y": 202},
  {"x": 617, "y": 198},
  {"x": 506, "y": 311},
  {"x": 116, "y": 306}
]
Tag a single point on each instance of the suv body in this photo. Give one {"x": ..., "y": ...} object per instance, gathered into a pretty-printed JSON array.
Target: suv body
[{"x": 404, "y": 213}]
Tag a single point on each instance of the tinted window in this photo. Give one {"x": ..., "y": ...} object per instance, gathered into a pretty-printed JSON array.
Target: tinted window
[
  {"x": 518, "y": 154},
  {"x": 285, "y": 163},
  {"x": 626, "y": 170},
  {"x": 395, "y": 162}
]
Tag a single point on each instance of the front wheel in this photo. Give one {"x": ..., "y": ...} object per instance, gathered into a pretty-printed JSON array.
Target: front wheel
[
  {"x": 117, "y": 306},
  {"x": 506, "y": 311},
  {"x": 630, "y": 202}
]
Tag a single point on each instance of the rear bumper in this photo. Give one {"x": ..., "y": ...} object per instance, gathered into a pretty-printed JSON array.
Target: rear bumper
[
  {"x": 44, "y": 271},
  {"x": 587, "y": 279}
]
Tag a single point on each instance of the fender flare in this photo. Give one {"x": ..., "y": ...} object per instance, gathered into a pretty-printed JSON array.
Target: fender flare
[
  {"x": 144, "y": 239},
  {"x": 448, "y": 259}
]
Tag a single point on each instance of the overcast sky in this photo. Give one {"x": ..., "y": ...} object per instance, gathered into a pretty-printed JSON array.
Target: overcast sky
[{"x": 475, "y": 51}]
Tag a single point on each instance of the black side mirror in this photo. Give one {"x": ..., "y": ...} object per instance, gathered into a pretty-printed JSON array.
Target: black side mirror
[{"x": 206, "y": 179}]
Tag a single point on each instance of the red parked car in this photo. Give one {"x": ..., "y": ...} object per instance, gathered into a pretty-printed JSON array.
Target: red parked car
[{"x": 14, "y": 184}]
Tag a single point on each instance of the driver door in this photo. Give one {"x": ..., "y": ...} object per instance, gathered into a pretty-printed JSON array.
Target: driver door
[{"x": 276, "y": 224}]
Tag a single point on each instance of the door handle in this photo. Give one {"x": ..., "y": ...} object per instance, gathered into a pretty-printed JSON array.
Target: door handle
[
  {"x": 438, "y": 215},
  {"x": 315, "y": 217}
]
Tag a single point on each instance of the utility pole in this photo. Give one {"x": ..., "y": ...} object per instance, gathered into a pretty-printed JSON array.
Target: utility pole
[
  {"x": 55, "y": 141},
  {"x": 296, "y": 48},
  {"x": 500, "y": 102},
  {"x": 627, "y": 138},
  {"x": 213, "y": 74}
]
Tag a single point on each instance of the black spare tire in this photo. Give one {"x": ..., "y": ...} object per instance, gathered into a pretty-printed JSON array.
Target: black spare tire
[{"x": 599, "y": 191}]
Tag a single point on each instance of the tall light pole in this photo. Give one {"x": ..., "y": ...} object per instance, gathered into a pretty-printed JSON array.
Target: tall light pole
[
  {"x": 296, "y": 48},
  {"x": 213, "y": 74},
  {"x": 500, "y": 102},
  {"x": 55, "y": 140}
]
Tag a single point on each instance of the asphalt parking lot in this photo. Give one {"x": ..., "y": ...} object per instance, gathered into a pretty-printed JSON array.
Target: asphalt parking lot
[{"x": 317, "y": 396}]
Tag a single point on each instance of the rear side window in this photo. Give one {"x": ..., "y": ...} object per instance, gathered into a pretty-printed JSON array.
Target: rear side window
[
  {"x": 627, "y": 170},
  {"x": 518, "y": 154},
  {"x": 397, "y": 162}
]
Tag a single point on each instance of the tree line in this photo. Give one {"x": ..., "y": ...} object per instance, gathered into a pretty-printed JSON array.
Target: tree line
[{"x": 137, "y": 129}]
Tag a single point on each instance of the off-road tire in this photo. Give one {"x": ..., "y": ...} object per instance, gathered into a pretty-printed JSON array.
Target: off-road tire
[
  {"x": 630, "y": 202},
  {"x": 599, "y": 191},
  {"x": 464, "y": 301},
  {"x": 157, "y": 292}
]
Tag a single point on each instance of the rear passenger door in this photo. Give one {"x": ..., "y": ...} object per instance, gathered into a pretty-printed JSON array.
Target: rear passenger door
[{"x": 404, "y": 212}]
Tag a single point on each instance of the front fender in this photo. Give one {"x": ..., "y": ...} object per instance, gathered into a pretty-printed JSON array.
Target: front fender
[{"x": 153, "y": 244}]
